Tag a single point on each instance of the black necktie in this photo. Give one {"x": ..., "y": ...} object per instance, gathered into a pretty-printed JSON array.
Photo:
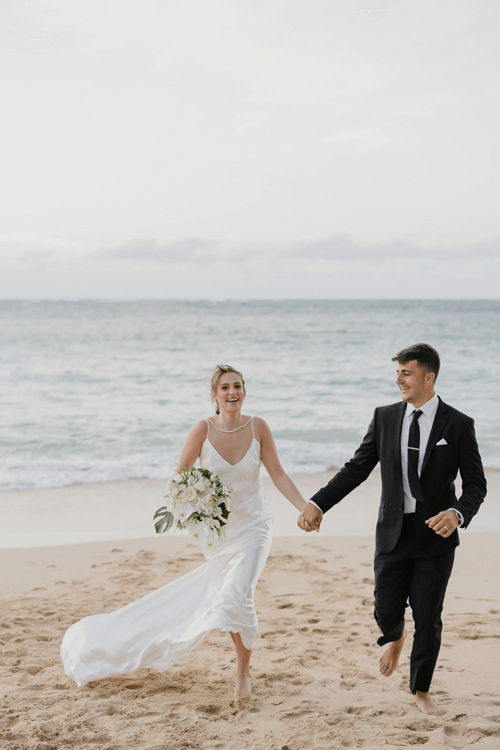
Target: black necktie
[{"x": 413, "y": 454}]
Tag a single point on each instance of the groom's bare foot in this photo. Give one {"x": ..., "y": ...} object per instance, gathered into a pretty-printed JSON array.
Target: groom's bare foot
[
  {"x": 243, "y": 689},
  {"x": 427, "y": 705},
  {"x": 389, "y": 660}
]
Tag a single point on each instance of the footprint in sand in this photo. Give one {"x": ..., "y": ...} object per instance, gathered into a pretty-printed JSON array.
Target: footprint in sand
[
  {"x": 346, "y": 742},
  {"x": 296, "y": 713},
  {"x": 421, "y": 725},
  {"x": 366, "y": 676},
  {"x": 34, "y": 669},
  {"x": 358, "y": 710},
  {"x": 212, "y": 709},
  {"x": 349, "y": 684},
  {"x": 453, "y": 737}
]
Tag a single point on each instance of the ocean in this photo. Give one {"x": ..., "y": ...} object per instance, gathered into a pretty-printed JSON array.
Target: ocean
[{"x": 98, "y": 391}]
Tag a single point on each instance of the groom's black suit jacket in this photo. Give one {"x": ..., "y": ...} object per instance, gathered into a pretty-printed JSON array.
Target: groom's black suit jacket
[{"x": 441, "y": 463}]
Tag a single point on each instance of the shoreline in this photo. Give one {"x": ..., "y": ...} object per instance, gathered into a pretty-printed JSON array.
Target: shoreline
[{"x": 124, "y": 509}]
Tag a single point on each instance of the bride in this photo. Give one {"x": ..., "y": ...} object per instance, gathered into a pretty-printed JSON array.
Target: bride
[{"x": 165, "y": 625}]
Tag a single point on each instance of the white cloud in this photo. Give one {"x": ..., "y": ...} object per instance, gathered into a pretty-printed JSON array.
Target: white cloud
[
  {"x": 194, "y": 268},
  {"x": 344, "y": 247},
  {"x": 187, "y": 250}
]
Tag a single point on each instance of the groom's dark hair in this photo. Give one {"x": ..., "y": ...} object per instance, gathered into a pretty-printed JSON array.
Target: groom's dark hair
[{"x": 425, "y": 355}]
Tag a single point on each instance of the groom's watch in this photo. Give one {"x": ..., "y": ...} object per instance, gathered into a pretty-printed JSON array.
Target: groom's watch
[{"x": 458, "y": 515}]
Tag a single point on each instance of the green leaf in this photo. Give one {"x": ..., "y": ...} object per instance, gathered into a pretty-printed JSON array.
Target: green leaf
[{"x": 165, "y": 520}]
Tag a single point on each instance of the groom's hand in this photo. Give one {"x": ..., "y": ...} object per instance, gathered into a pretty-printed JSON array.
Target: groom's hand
[
  {"x": 444, "y": 524},
  {"x": 310, "y": 518}
]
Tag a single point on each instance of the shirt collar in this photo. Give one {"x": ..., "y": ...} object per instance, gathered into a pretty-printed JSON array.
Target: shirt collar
[{"x": 429, "y": 408}]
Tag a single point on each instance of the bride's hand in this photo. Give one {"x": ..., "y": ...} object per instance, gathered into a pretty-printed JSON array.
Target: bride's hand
[{"x": 310, "y": 518}]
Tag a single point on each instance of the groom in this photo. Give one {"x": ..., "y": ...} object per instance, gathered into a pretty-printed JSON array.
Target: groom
[{"x": 421, "y": 444}]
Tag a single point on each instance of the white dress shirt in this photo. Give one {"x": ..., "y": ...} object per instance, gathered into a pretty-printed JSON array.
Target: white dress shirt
[{"x": 425, "y": 423}]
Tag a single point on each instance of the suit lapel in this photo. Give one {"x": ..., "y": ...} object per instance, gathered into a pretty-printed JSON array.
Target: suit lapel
[
  {"x": 397, "y": 428},
  {"x": 439, "y": 422}
]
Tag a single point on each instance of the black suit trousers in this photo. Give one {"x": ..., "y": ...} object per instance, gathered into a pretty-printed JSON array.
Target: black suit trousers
[{"x": 405, "y": 576}]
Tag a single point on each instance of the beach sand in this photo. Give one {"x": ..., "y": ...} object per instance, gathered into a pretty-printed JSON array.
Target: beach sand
[{"x": 314, "y": 667}]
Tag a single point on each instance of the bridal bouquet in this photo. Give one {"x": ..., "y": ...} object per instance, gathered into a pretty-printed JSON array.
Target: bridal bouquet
[{"x": 196, "y": 500}]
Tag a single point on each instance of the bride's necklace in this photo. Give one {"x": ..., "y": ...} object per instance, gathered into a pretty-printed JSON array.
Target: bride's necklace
[{"x": 235, "y": 430}]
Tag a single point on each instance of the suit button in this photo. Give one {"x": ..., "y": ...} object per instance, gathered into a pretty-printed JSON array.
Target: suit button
[{"x": 401, "y": 507}]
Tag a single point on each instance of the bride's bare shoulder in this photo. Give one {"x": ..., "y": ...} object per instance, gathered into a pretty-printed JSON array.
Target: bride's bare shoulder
[
  {"x": 200, "y": 429},
  {"x": 261, "y": 428}
]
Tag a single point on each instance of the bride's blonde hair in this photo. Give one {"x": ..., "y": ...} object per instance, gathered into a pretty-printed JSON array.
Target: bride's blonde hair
[{"x": 221, "y": 370}]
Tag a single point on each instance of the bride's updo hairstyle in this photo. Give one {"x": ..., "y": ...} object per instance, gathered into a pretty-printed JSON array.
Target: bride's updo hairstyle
[{"x": 220, "y": 370}]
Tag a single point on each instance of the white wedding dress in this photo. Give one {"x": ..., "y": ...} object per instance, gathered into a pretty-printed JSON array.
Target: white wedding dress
[{"x": 165, "y": 625}]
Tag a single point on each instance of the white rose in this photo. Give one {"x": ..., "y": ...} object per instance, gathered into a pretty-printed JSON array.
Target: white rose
[
  {"x": 199, "y": 486},
  {"x": 189, "y": 495}
]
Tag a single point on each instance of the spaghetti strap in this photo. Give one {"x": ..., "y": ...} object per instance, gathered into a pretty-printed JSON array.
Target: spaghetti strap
[
  {"x": 251, "y": 423},
  {"x": 208, "y": 427}
]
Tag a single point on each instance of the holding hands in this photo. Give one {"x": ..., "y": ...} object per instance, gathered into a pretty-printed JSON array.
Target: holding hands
[{"x": 310, "y": 518}]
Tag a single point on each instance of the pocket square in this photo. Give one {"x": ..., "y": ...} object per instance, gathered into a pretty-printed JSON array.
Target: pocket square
[{"x": 442, "y": 442}]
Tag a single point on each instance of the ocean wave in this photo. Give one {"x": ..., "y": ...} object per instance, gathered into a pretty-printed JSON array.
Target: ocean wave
[
  {"x": 46, "y": 472},
  {"x": 297, "y": 457}
]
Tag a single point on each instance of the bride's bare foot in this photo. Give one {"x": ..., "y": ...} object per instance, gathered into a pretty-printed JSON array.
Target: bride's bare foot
[
  {"x": 243, "y": 689},
  {"x": 389, "y": 660},
  {"x": 427, "y": 705}
]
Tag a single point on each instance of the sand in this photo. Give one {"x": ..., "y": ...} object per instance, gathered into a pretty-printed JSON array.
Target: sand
[{"x": 314, "y": 666}]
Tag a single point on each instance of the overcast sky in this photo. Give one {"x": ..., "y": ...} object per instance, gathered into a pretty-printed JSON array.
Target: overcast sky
[{"x": 249, "y": 148}]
